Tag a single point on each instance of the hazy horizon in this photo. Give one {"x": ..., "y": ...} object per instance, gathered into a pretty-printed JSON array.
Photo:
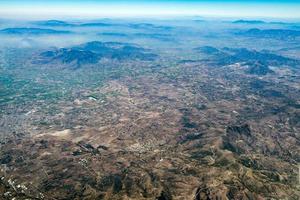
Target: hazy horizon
[{"x": 31, "y": 9}]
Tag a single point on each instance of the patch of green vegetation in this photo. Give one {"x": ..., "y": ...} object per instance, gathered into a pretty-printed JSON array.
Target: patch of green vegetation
[{"x": 185, "y": 120}]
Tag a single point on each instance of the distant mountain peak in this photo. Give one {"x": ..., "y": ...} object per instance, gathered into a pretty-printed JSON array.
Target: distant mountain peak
[{"x": 242, "y": 21}]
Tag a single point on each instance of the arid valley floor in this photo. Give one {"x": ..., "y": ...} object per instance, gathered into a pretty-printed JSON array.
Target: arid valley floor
[{"x": 118, "y": 109}]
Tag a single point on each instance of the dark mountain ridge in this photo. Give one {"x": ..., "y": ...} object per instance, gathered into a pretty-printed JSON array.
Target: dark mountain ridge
[
  {"x": 93, "y": 52},
  {"x": 32, "y": 31},
  {"x": 241, "y": 21},
  {"x": 145, "y": 26},
  {"x": 227, "y": 56},
  {"x": 54, "y": 23},
  {"x": 281, "y": 34}
]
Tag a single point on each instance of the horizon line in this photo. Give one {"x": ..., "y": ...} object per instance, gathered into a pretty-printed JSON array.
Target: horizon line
[{"x": 95, "y": 10}]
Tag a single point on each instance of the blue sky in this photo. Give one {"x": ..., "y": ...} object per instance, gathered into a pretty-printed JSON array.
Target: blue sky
[
  {"x": 144, "y": 8},
  {"x": 61, "y": 2}
]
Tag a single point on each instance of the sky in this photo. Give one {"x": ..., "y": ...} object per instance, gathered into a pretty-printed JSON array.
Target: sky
[{"x": 23, "y": 9}]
